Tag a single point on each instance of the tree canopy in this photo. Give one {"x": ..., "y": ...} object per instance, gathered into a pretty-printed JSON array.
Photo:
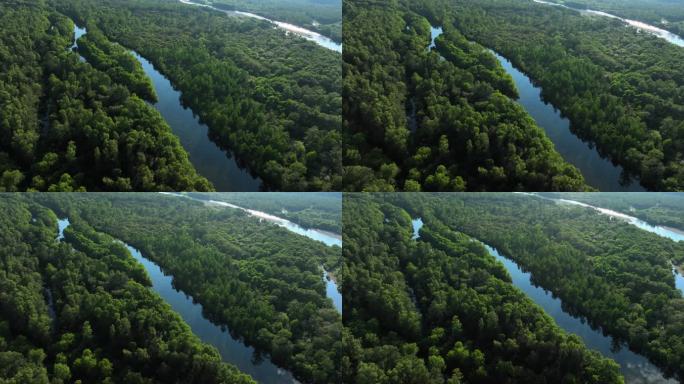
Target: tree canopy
[
  {"x": 69, "y": 126},
  {"x": 440, "y": 119}
]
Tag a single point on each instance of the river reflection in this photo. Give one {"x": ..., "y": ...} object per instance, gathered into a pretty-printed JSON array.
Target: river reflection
[
  {"x": 598, "y": 172},
  {"x": 231, "y": 349}
]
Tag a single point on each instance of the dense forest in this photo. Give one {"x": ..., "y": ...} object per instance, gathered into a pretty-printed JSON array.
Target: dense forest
[
  {"x": 622, "y": 89},
  {"x": 69, "y": 126},
  {"x": 318, "y": 210},
  {"x": 261, "y": 281},
  {"x": 270, "y": 98},
  {"x": 441, "y": 119},
  {"x": 80, "y": 310},
  {"x": 614, "y": 274},
  {"x": 322, "y": 16},
  {"x": 665, "y": 14},
  {"x": 117, "y": 62},
  {"x": 656, "y": 208},
  {"x": 441, "y": 309}
]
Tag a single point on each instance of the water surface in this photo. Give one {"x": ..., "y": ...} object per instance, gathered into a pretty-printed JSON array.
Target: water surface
[
  {"x": 332, "y": 291},
  {"x": 434, "y": 34},
  {"x": 231, "y": 349},
  {"x": 217, "y": 165},
  {"x": 417, "y": 225},
  {"x": 328, "y": 238},
  {"x": 598, "y": 172}
]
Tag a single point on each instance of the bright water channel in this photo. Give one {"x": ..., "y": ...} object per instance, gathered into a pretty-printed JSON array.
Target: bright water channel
[
  {"x": 217, "y": 165},
  {"x": 327, "y": 238},
  {"x": 598, "y": 172},
  {"x": 232, "y": 350},
  {"x": 639, "y": 25},
  {"x": 316, "y": 37}
]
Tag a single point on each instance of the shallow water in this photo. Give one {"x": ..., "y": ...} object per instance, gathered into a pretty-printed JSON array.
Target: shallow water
[{"x": 417, "y": 225}]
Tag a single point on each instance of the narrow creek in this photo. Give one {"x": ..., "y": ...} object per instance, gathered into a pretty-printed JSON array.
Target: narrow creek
[
  {"x": 599, "y": 172},
  {"x": 220, "y": 167},
  {"x": 635, "y": 368},
  {"x": 232, "y": 350}
]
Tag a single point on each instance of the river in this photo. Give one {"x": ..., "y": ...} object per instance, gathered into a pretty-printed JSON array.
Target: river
[
  {"x": 217, "y": 165},
  {"x": 636, "y": 368},
  {"x": 328, "y": 238},
  {"x": 417, "y": 225},
  {"x": 232, "y": 350},
  {"x": 669, "y": 233},
  {"x": 316, "y": 37},
  {"x": 598, "y": 172},
  {"x": 639, "y": 25}
]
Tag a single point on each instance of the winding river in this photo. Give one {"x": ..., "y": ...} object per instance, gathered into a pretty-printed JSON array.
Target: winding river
[
  {"x": 635, "y": 368},
  {"x": 316, "y": 37},
  {"x": 639, "y": 25},
  {"x": 217, "y": 165},
  {"x": 232, "y": 350},
  {"x": 669, "y": 233},
  {"x": 598, "y": 172}
]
